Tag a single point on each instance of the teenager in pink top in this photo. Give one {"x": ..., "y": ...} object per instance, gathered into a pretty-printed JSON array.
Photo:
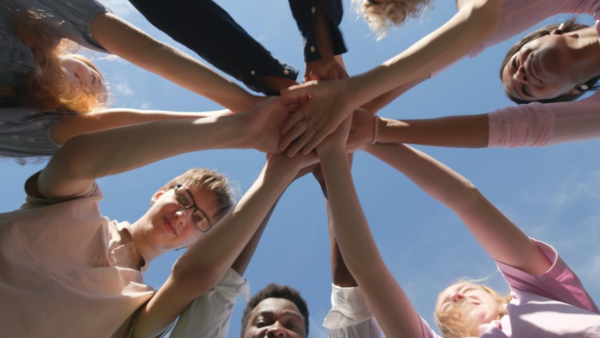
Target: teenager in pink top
[
  {"x": 477, "y": 25},
  {"x": 547, "y": 298}
]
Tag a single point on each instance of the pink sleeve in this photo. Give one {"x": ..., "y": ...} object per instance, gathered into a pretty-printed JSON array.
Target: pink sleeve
[
  {"x": 558, "y": 283},
  {"x": 540, "y": 125},
  {"x": 427, "y": 331}
]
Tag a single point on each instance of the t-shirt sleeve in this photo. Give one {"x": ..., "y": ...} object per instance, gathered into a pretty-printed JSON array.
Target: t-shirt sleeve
[
  {"x": 70, "y": 19},
  {"x": 540, "y": 125},
  {"x": 26, "y": 133},
  {"x": 35, "y": 199},
  {"x": 427, "y": 331},
  {"x": 209, "y": 314},
  {"x": 350, "y": 316},
  {"x": 559, "y": 282}
]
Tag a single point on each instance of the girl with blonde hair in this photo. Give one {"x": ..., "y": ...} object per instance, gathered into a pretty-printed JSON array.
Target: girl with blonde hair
[
  {"x": 547, "y": 298},
  {"x": 48, "y": 94}
]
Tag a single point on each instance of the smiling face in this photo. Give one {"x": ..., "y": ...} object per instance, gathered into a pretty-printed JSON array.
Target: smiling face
[
  {"x": 81, "y": 74},
  {"x": 471, "y": 304},
  {"x": 275, "y": 317},
  {"x": 170, "y": 225}
]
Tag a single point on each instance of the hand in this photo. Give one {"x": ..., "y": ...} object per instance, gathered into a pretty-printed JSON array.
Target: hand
[
  {"x": 298, "y": 165},
  {"x": 329, "y": 105},
  {"x": 337, "y": 140},
  {"x": 362, "y": 129},
  {"x": 263, "y": 123},
  {"x": 325, "y": 69}
]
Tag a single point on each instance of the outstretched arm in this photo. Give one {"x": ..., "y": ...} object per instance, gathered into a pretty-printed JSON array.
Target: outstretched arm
[
  {"x": 78, "y": 124},
  {"x": 332, "y": 101},
  {"x": 502, "y": 240},
  {"x": 127, "y": 41},
  {"x": 205, "y": 263},
  {"x": 87, "y": 157},
  {"x": 385, "y": 297}
]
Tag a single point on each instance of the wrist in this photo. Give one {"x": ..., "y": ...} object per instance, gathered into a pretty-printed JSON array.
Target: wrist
[{"x": 242, "y": 137}]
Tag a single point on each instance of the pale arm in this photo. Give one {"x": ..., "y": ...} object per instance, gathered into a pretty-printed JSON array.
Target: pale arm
[
  {"x": 385, "y": 297},
  {"x": 205, "y": 263},
  {"x": 109, "y": 118},
  {"x": 498, "y": 236},
  {"x": 127, "y": 41}
]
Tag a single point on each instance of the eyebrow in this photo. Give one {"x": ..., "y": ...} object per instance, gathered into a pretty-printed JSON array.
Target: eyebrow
[{"x": 287, "y": 313}]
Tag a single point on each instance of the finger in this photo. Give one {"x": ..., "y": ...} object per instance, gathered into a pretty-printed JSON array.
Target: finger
[
  {"x": 300, "y": 143},
  {"x": 295, "y": 133},
  {"x": 294, "y": 119},
  {"x": 333, "y": 74},
  {"x": 314, "y": 141},
  {"x": 298, "y": 92},
  {"x": 292, "y": 107}
]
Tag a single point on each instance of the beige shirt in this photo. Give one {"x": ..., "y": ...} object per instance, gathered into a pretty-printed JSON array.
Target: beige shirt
[{"x": 66, "y": 271}]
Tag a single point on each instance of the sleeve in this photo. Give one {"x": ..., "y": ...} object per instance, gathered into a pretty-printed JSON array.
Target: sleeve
[
  {"x": 70, "y": 19},
  {"x": 26, "y": 133},
  {"x": 304, "y": 12},
  {"x": 209, "y": 315},
  {"x": 35, "y": 199},
  {"x": 211, "y": 32},
  {"x": 559, "y": 282},
  {"x": 350, "y": 316},
  {"x": 540, "y": 125}
]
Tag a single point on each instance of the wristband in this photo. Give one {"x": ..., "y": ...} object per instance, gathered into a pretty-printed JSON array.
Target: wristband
[{"x": 375, "y": 129}]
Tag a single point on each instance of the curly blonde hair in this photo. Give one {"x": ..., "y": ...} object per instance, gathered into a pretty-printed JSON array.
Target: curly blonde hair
[
  {"x": 450, "y": 323},
  {"x": 381, "y": 16},
  {"x": 48, "y": 89}
]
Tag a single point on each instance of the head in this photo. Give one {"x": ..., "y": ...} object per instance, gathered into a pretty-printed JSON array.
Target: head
[
  {"x": 184, "y": 209},
  {"x": 275, "y": 311},
  {"x": 463, "y": 306},
  {"x": 64, "y": 81},
  {"x": 539, "y": 68},
  {"x": 384, "y": 14}
]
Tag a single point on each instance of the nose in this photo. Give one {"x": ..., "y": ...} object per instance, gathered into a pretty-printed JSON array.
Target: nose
[
  {"x": 458, "y": 298},
  {"x": 276, "y": 330},
  {"x": 521, "y": 75},
  {"x": 183, "y": 215}
]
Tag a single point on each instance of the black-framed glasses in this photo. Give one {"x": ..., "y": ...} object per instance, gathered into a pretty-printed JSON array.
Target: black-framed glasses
[{"x": 185, "y": 198}]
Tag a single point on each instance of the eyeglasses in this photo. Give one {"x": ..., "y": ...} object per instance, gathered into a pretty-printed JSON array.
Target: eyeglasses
[{"x": 184, "y": 197}]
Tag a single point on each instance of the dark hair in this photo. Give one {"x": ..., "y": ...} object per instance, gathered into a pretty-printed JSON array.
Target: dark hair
[
  {"x": 276, "y": 291},
  {"x": 569, "y": 26}
]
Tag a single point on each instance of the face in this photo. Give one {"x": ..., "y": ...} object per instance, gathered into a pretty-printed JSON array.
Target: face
[
  {"x": 170, "y": 225},
  {"x": 477, "y": 305},
  {"x": 541, "y": 69},
  {"x": 275, "y": 317},
  {"x": 81, "y": 75}
]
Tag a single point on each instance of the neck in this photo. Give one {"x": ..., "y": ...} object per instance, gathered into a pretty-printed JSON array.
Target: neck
[
  {"x": 145, "y": 251},
  {"x": 587, "y": 52}
]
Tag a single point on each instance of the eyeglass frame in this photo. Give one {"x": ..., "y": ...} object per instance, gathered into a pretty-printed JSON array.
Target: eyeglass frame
[{"x": 194, "y": 206}]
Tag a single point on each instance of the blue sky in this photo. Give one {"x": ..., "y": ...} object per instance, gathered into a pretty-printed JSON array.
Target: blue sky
[{"x": 551, "y": 193}]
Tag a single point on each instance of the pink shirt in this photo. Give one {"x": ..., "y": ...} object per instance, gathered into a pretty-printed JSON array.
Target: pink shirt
[
  {"x": 65, "y": 271},
  {"x": 535, "y": 124},
  {"x": 554, "y": 304}
]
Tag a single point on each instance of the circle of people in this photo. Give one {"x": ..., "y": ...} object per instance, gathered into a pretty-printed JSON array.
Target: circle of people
[{"x": 60, "y": 253}]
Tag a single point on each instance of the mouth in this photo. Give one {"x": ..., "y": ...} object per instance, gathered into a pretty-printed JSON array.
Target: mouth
[{"x": 169, "y": 226}]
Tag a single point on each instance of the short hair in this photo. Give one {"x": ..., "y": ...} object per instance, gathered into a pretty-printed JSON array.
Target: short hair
[
  {"x": 212, "y": 181},
  {"x": 381, "y": 16},
  {"x": 274, "y": 290},
  {"x": 569, "y": 26}
]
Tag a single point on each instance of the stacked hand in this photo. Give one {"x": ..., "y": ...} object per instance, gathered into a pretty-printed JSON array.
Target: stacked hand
[{"x": 263, "y": 123}]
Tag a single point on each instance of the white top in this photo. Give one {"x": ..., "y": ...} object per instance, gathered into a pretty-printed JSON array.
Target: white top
[{"x": 350, "y": 316}]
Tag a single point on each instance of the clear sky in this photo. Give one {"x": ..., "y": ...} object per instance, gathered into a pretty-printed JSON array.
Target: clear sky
[{"x": 551, "y": 193}]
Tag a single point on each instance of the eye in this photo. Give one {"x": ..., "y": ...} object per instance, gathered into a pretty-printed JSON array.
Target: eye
[
  {"x": 514, "y": 64},
  {"x": 293, "y": 327},
  {"x": 526, "y": 91},
  {"x": 198, "y": 218}
]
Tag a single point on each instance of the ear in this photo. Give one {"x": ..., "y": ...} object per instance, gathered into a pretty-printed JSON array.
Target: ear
[{"x": 157, "y": 194}]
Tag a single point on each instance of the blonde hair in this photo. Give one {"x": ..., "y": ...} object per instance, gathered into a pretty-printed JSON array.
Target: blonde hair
[
  {"x": 48, "y": 89},
  {"x": 450, "y": 322},
  {"x": 381, "y": 16},
  {"x": 212, "y": 181}
]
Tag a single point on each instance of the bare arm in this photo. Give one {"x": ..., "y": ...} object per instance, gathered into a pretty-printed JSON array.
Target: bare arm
[
  {"x": 502, "y": 240},
  {"x": 205, "y": 263},
  {"x": 127, "y": 41},
  {"x": 109, "y": 118},
  {"x": 385, "y": 297},
  {"x": 87, "y": 157}
]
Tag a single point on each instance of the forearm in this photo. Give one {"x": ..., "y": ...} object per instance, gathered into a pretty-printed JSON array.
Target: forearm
[
  {"x": 110, "y": 118},
  {"x": 112, "y": 151},
  {"x": 383, "y": 100},
  {"x": 433, "y": 177},
  {"x": 135, "y": 46},
  {"x": 468, "y": 28},
  {"x": 469, "y": 131}
]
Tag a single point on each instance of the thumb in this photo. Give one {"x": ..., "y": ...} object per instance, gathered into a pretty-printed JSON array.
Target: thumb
[{"x": 298, "y": 93}]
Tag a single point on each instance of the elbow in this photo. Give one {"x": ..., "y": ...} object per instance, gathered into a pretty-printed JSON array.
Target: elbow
[{"x": 467, "y": 197}]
